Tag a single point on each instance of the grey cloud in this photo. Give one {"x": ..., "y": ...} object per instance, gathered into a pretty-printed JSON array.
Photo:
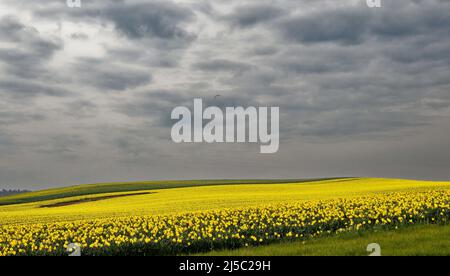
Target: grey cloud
[
  {"x": 222, "y": 65},
  {"x": 81, "y": 109},
  {"x": 18, "y": 88},
  {"x": 437, "y": 104},
  {"x": 354, "y": 24},
  {"x": 142, "y": 19},
  {"x": 153, "y": 57},
  {"x": 353, "y": 85},
  {"x": 155, "y": 106},
  {"x": 356, "y": 122},
  {"x": 64, "y": 145},
  {"x": 79, "y": 36},
  {"x": 250, "y": 15},
  {"x": 14, "y": 117},
  {"x": 110, "y": 76},
  {"x": 322, "y": 60},
  {"x": 160, "y": 19},
  {"x": 7, "y": 143},
  {"x": 11, "y": 29},
  {"x": 133, "y": 143},
  {"x": 342, "y": 25},
  {"x": 29, "y": 51},
  {"x": 24, "y": 59},
  {"x": 407, "y": 18},
  {"x": 263, "y": 51}
]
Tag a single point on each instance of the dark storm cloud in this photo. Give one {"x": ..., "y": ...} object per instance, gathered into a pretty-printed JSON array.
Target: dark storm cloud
[
  {"x": 337, "y": 25},
  {"x": 109, "y": 76},
  {"x": 14, "y": 117},
  {"x": 155, "y": 57},
  {"x": 355, "y": 122},
  {"x": 18, "y": 88},
  {"x": 250, "y": 15},
  {"x": 408, "y": 18},
  {"x": 81, "y": 109},
  {"x": 222, "y": 65},
  {"x": 154, "y": 32},
  {"x": 263, "y": 51},
  {"x": 155, "y": 107},
  {"x": 11, "y": 28},
  {"x": 322, "y": 60},
  {"x": 28, "y": 51},
  {"x": 356, "y": 23},
  {"x": 161, "y": 20},
  {"x": 361, "y": 71},
  {"x": 62, "y": 145},
  {"x": 349, "y": 80},
  {"x": 131, "y": 142},
  {"x": 79, "y": 36},
  {"x": 153, "y": 19},
  {"x": 24, "y": 58},
  {"x": 6, "y": 142}
]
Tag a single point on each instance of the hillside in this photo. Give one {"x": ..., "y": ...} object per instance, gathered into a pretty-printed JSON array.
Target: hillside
[
  {"x": 175, "y": 217},
  {"x": 100, "y": 188},
  {"x": 159, "y": 198}
]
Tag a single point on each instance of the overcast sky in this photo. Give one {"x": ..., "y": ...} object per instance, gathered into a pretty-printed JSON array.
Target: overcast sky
[{"x": 86, "y": 93}]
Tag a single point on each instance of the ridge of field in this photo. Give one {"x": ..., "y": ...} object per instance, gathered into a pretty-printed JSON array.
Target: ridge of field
[
  {"x": 102, "y": 188},
  {"x": 202, "y": 198},
  {"x": 418, "y": 240}
]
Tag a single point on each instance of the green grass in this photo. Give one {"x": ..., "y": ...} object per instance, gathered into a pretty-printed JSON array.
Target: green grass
[
  {"x": 101, "y": 188},
  {"x": 421, "y": 240}
]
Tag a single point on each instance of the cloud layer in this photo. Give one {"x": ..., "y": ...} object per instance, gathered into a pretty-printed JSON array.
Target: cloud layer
[{"x": 86, "y": 93}]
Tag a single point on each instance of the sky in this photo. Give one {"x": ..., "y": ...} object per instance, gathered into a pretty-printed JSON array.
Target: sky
[{"x": 86, "y": 93}]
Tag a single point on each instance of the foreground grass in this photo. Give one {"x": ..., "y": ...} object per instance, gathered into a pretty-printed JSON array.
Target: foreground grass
[{"x": 421, "y": 240}]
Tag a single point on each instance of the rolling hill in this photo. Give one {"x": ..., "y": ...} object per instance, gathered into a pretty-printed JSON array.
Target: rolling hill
[
  {"x": 173, "y": 217},
  {"x": 159, "y": 198}
]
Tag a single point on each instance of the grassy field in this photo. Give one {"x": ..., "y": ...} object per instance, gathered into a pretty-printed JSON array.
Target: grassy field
[
  {"x": 419, "y": 240},
  {"x": 120, "y": 214},
  {"x": 197, "y": 198}
]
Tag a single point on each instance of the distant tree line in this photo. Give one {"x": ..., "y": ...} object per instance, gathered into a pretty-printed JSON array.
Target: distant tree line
[{"x": 5, "y": 192}]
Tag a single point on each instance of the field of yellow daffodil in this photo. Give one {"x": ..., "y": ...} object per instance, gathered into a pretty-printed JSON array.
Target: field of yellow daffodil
[
  {"x": 157, "y": 198},
  {"x": 200, "y": 231}
]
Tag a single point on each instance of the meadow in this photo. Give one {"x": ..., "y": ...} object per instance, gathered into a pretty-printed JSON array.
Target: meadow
[
  {"x": 418, "y": 240},
  {"x": 167, "y": 218}
]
